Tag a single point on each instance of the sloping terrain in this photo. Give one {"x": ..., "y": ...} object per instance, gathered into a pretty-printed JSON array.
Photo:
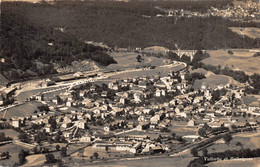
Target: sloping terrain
[{"x": 240, "y": 60}]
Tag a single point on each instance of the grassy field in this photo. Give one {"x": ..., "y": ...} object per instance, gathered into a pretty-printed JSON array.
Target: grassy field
[
  {"x": 128, "y": 60},
  {"x": 240, "y": 60},
  {"x": 166, "y": 162},
  {"x": 248, "y": 140},
  {"x": 23, "y": 95},
  {"x": 10, "y": 133},
  {"x": 249, "y": 162},
  {"x": 24, "y": 110},
  {"x": 14, "y": 150},
  {"x": 160, "y": 71},
  {"x": 35, "y": 160},
  {"x": 214, "y": 81},
  {"x": 251, "y": 32},
  {"x": 251, "y": 99}
]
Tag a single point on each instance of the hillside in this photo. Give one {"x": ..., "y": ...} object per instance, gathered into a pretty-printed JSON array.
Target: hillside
[{"x": 54, "y": 34}]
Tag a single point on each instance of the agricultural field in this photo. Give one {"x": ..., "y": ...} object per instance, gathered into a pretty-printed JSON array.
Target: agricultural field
[
  {"x": 35, "y": 160},
  {"x": 10, "y": 133},
  {"x": 126, "y": 60},
  {"x": 24, "y": 95},
  {"x": 251, "y": 32},
  {"x": 239, "y": 60},
  {"x": 249, "y": 99},
  {"x": 179, "y": 161},
  {"x": 13, "y": 150},
  {"x": 247, "y": 162},
  {"x": 158, "y": 71},
  {"x": 212, "y": 80},
  {"x": 248, "y": 140},
  {"x": 24, "y": 110}
]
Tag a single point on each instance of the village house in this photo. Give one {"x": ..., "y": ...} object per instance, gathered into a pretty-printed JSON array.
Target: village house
[
  {"x": 86, "y": 138},
  {"x": 48, "y": 128},
  {"x": 113, "y": 85},
  {"x": 82, "y": 124},
  {"x": 16, "y": 122},
  {"x": 138, "y": 97}
]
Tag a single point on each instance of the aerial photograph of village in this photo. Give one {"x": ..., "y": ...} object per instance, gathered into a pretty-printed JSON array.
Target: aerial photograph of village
[{"x": 130, "y": 83}]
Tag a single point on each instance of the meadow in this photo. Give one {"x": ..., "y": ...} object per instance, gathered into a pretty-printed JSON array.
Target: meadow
[{"x": 240, "y": 60}]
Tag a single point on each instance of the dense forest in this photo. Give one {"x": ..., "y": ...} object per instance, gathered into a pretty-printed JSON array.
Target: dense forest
[{"x": 36, "y": 37}]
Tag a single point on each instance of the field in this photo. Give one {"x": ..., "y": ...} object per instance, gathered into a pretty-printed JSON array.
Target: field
[
  {"x": 35, "y": 160},
  {"x": 24, "y": 110},
  {"x": 248, "y": 140},
  {"x": 24, "y": 95},
  {"x": 166, "y": 162},
  {"x": 239, "y": 60},
  {"x": 249, "y": 99},
  {"x": 214, "y": 81},
  {"x": 251, "y": 32},
  {"x": 14, "y": 150},
  {"x": 128, "y": 60},
  {"x": 247, "y": 162},
  {"x": 10, "y": 133},
  {"x": 160, "y": 71}
]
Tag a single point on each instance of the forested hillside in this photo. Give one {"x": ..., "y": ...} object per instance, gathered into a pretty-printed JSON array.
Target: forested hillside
[{"x": 36, "y": 37}]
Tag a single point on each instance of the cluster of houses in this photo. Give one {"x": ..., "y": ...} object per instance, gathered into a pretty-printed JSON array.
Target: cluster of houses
[
  {"x": 249, "y": 11},
  {"x": 122, "y": 109}
]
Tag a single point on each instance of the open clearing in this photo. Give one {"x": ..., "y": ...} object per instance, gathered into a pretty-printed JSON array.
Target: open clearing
[
  {"x": 249, "y": 99},
  {"x": 251, "y": 32},
  {"x": 10, "y": 133},
  {"x": 180, "y": 161},
  {"x": 160, "y": 71},
  {"x": 126, "y": 60},
  {"x": 24, "y": 110},
  {"x": 14, "y": 150},
  {"x": 213, "y": 81},
  {"x": 248, "y": 140},
  {"x": 239, "y": 60},
  {"x": 246, "y": 162}
]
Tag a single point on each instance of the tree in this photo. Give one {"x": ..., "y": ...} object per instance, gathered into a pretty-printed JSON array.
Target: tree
[
  {"x": 194, "y": 151},
  {"x": 139, "y": 58},
  {"x": 227, "y": 138},
  {"x": 185, "y": 59},
  {"x": 151, "y": 151},
  {"x": 95, "y": 154},
  {"x": 106, "y": 148},
  {"x": 202, "y": 132},
  {"x": 22, "y": 156},
  {"x": 53, "y": 122},
  {"x": 230, "y": 52},
  {"x": 3, "y": 137},
  {"x": 50, "y": 158},
  {"x": 57, "y": 147},
  {"x": 205, "y": 152},
  {"x": 35, "y": 150},
  {"x": 239, "y": 144},
  {"x": 173, "y": 56},
  {"x": 63, "y": 152},
  {"x": 7, "y": 155}
]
